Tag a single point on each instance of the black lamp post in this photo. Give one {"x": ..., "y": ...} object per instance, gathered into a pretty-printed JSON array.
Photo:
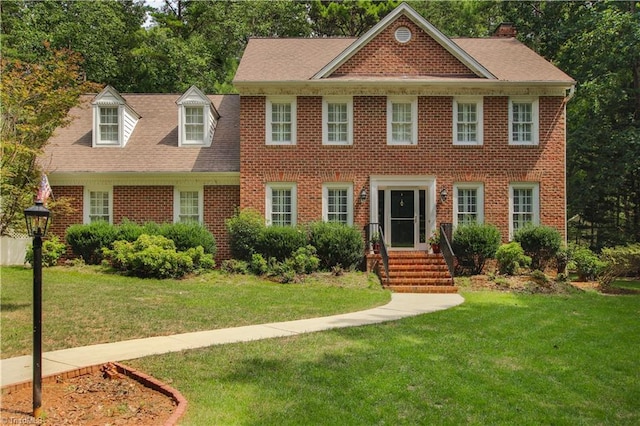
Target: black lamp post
[{"x": 37, "y": 218}]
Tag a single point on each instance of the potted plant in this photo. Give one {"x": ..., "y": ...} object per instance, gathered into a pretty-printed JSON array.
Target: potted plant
[
  {"x": 434, "y": 242},
  {"x": 375, "y": 242}
]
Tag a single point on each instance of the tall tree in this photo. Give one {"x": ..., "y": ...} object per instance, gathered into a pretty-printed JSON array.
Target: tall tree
[{"x": 347, "y": 17}]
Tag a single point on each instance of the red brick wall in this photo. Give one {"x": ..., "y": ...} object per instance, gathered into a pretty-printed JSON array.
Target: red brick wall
[
  {"x": 143, "y": 203},
  {"x": 60, "y": 222},
  {"x": 220, "y": 203},
  {"x": 420, "y": 56},
  {"x": 495, "y": 163}
]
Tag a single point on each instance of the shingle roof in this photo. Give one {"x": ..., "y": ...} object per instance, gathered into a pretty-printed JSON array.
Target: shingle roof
[
  {"x": 272, "y": 60},
  {"x": 153, "y": 146}
]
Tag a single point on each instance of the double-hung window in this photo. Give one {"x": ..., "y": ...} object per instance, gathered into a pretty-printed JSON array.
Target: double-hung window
[
  {"x": 98, "y": 204},
  {"x": 468, "y": 203},
  {"x": 467, "y": 121},
  {"x": 281, "y": 204},
  {"x": 523, "y": 121},
  {"x": 187, "y": 205},
  {"x": 402, "y": 121},
  {"x": 194, "y": 125},
  {"x": 337, "y": 121},
  {"x": 523, "y": 206},
  {"x": 281, "y": 121},
  {"x": 109, "y": 125},
  {"x": 337, "y": 203}
]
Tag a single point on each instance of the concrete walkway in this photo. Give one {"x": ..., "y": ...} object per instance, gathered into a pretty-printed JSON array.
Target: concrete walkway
[{"x": 402, "y": 305}]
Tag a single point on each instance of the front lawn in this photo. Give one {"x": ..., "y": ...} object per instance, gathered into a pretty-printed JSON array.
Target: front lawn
[
  {"x": 499, "y": 358},
  {"x": 82, "y": 306}
]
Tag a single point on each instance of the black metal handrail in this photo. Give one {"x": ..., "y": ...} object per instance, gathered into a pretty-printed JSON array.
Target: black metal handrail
[
  {"x": 446, "y": 233},
  {"x": 375, "y": 235}
]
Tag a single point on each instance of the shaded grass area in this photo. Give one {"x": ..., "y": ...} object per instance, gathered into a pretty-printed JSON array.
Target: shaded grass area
[
  {"x": 82, "y": 306},
  {"x": 500, "y": 358}
]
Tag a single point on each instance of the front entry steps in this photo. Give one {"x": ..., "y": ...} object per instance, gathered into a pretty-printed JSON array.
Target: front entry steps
[{"x": 416, "y": 272}]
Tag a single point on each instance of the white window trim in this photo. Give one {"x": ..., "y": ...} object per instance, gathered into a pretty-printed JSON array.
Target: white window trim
[
  {"x": 325, "y": 199},
  {"x": 294, "y": 122},
  {"x": 97, "y": 139},
  {"x": 176, "y": 201},
  {"x": 536, "y": 202},
  {"x": 87, "y": 201},
  {"x": 414, "y": 119},
  {"x": 325, "y": 119},
  {"x": 182, "y": 123},
  {"x": 479, "y": 187},
  {"x": 536, "y": 121},
  {"x": 480, "y": 114},
  {"x": 294, "y": 200}
]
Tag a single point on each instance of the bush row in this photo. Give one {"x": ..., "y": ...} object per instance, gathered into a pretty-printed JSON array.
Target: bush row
[
  {"x": 87, "y": 241},
  {"x": 335, "y": 245}
]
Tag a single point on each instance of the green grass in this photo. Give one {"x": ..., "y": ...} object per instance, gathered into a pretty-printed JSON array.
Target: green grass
[
  {"x": 82, "y": 306},
  {"x": 500, "y": 358}
]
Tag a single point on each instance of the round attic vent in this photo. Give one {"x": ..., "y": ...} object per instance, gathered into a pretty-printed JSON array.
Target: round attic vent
[{"x": 403, "y": 34}]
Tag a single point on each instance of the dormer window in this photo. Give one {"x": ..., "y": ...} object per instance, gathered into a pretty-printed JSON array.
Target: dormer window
[
  {"x": 113, "y": 119},
  {"x": 197, "y": 119}
]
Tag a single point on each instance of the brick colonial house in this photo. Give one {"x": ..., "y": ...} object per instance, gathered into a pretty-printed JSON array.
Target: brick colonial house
[{"x": 401, "y": 127}]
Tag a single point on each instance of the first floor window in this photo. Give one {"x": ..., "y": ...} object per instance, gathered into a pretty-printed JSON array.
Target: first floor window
[
  {"x": 402, "y": 121},
  {"x": 468, "y": 204},
  {"x": 281, "y": 204},
  {"x": 98, "y": 205},
  {"x": 337, "y": 203},
  {"x": 523, "y": 206},
  {"x": 194, "y": 124},
  {"x": 108, "y": 126},
  {"x": 188, "y": 205}
]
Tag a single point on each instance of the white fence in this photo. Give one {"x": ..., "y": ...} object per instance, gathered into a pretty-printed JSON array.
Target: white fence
[{"x": 13, "y": 250}]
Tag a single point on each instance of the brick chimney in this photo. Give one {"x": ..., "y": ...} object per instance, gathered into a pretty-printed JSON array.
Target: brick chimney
[{"x": 505, "y": 29}]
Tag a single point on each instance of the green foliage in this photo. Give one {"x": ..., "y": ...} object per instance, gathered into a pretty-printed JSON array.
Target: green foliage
[
  {"x": 340, "y": 18},
  {"x": 586, "y": 263},
  {"x": 189, "y": 235},
  {"x": 336, "y": 244},
  {"x": 304, "y": 260},
  {"x": 511, "y": 258},
  {"x": 258, "y": 264},
  {"x": 541, "y": 243},
  {"x": 245, "y": 231},
  {"x": 281, "y": 242},
  {"x": 87, "y": 241},
  {"x": 621, "y": 261},
  {"x": 52, "y": 251},
  {"x": 473, "y": 244},
  {"x": 155, "y": 256},
  {"x": 130, "y": 231},
  {"x": 235, "y": 266}
]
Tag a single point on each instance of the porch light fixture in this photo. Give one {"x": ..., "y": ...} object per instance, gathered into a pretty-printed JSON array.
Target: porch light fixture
[
  {"x": 37, "y": 219},
  {"x": 443, "y": 195},
  {"x": 363, "y": 194}
]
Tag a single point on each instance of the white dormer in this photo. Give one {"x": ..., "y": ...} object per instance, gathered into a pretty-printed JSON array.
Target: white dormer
[
  {"x": 197, "y": 118},
  {"x": 113, "y": 119}
]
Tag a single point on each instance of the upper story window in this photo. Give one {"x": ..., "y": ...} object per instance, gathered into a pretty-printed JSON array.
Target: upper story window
[
  {"x": 281, "y": 209},
  {"x": 402, "y": 121},
  {"x": 467, "y": 121},
  {"x": 197, "y": 118},
  {"x": 188, "y": 205},
  {"x": 281, "y": 121},
  {"x": 468, "y": 203},
  {"x": 524, "y": 200},
  {"x": 523, "y": 121},
  {"x": 337, "y": 203},
  {"x": 113, "y": 119},
  {"x": 98, "y": 204},
  {"x": 337, "y": 121}
]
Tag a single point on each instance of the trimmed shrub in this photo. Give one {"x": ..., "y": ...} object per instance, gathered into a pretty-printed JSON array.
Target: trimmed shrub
[
  {"x": 511, "y": 258},
  {"x": 336, "y": 244},
  {"x": 258, "y": 265},
  {"x": 586, "y": 264},
  {"x": 52, "y": 251},
  {"x": 280, "y": 241},
  {"x": 473, "y": 244},
  {"x": 87, "y": 241},
  {"x": 245, "y": 230},
  {"x": 155, "y": 256},
  {"x": 304, "y": 260},
  {"x": 541, "y": 243},
  {"x": 130, "y": 231},
  {"x": 189, "y": 235}
]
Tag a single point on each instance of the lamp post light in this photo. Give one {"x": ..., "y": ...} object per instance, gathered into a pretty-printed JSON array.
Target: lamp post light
[{"x": 37, "y": 218}]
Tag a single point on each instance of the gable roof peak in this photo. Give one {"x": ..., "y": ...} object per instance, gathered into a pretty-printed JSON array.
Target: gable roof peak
[{"x": 405, "y": 10}]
